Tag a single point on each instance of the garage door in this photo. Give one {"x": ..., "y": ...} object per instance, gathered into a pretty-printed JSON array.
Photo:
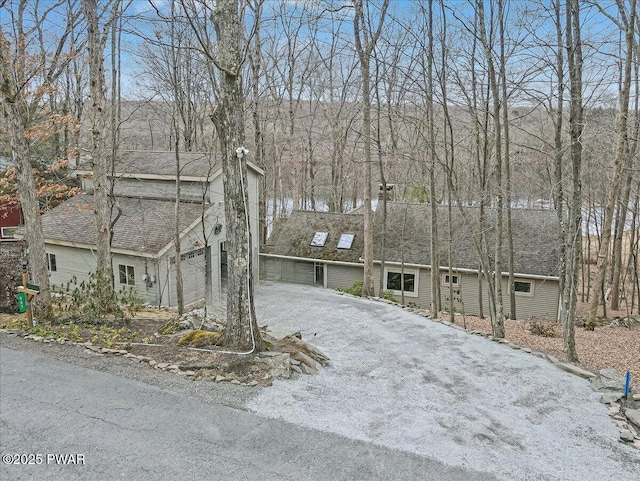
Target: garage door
[
  {"x": 193, "y": 266},
  {"x": 299, "y": 272}
]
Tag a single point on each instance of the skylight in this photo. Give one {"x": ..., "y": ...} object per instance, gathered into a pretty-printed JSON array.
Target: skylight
[
  {"x": 319, "y": 238},
  {"x": 345, "y": 241}
]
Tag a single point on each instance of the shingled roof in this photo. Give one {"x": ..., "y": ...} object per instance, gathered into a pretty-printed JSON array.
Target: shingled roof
[
  {"x": 145, "y": 225},
  {"x": 163, "y": 163},
  {"x": 535, "y": 238},
  {"x": 292, "y": 236}
]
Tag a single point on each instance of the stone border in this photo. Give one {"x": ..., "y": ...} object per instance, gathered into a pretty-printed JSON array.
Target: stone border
[
  {"x": 625, "y": 419},
  {"x": 282, "y": 364},
  {"x": 101, "y": 351}
]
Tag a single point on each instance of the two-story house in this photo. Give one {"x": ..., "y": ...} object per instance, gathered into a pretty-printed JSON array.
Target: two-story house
[{"x": 144, "y": 187}]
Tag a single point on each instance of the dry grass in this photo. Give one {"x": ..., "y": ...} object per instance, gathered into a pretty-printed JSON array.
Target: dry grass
[{"x": 616, "y": 347}]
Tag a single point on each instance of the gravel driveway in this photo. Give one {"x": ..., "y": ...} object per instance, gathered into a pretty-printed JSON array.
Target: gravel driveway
[{"x": 404, "y": 382}]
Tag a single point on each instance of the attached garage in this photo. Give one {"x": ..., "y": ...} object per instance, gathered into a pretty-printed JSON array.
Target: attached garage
[
  {"x": 291, "y": 270},
  {"x": 193, "y": 277}
]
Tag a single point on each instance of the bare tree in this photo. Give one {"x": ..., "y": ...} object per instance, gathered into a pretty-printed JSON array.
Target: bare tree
[
  {"x": 226, "y": 54},
  {"x": 101, "y": 160},
  {"x": 574, "y": 228},
  {"x": 24, "y": 82},
  {"x": 493, "y": 82},
  {"x": 621, "y": 159},
  {"x": 365, "y": 41}
]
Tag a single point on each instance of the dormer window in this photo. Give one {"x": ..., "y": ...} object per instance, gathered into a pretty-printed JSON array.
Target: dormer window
[
  {"x": 345, "y": 241},
  {"x": 319, "y": 239}
]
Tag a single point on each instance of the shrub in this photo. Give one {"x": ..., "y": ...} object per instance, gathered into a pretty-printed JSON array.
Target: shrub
[
  {"x": 544, "y": 328},
  {"x": 354, "y": 290},
  {"x": 388, "y": 295},
  {"x": 93, "y": 301}
]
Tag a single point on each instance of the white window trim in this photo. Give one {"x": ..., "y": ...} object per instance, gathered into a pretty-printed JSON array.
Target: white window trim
[
  {"x": 49, "y": 255},
  {"x": 532, "y": 291},
  {"x": 444, "y": 279},
  {"x": 6, "y": 229},
  {"x": 416, "y": 277},
  {"x": 126, "y": 273}
]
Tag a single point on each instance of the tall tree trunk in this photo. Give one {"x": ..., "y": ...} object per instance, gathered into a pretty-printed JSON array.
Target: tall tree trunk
[
  {"x": 433, "y": 224},
  {"x": 241, "y": 330},
  {"x": 99, "y": 113},
  {"x": 621, "y": 160},
  {"x": 507, "y": 160},
  {"x": 255, "y": 61},
  {"x": 558, "y": 191},
  {"x": 574, "y": 228},
  {"x": 14, "y": 115},
  {"x": 365, "y": 43},
  {"x": 495, "y": 94}
]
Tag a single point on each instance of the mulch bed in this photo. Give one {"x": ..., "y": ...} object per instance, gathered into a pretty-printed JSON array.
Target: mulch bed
[{"x": 616, "y": 347}]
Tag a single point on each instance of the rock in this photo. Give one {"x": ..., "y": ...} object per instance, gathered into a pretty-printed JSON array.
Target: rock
[
  {"x": 515, "y": 346},
  {"x": 130, "y": 356},
  {"x": 197, "y": 320},
  {"x": 235, "y": 381},
  {"x": 312, "y": 363},
  {"x": 608, "y": 380},
  {"x": 526, "y": 349},
  {"x": 308, "y": 369},
  {"x": 123, "y": 351},
  {"x": 173, "y": 367},
  {"x": 621, "y": 424},
  {"x": 636, "y": 397},
  {"x": 220, "y": 378},
  {"x": 253, "y": 383},
  {"x": 636, "y": 444},
  {"x": 553, "y": 359},
  {"x": 152, "y": 363},
  {"x": 634, "y": 416},
  {"x": 608, "y": 398},
  {"x": 162, "y": 365},
  {"x": 269, "y": 354},
  {"x": 145, "y": 358},
  {"x": 37, "y": 338},
  {"x": 295, "y": 362},
  {"x": 626, "y": 435},
  {"x": 575, "y": 370},
  {"x": 189, "y": 373},
  {"x": 280, "y": 365},
  {"x": 613, "y": 411},
  {"x": 20, "y": 332},
  {"x": 630, "y": 322},
  {"x": 296, "y": 368}
]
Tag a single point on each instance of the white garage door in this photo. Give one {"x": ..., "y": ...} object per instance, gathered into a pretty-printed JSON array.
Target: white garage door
[{"x": 193, "y": 266}]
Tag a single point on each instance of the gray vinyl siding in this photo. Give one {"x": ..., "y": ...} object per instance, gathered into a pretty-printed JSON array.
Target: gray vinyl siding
[
  {"x": 77, "y": 262},
  {"x": 542, "y": 305},
  {"x": 141, "y": 265},
  {"x": 343, "y": 276},
  {"x": 70, "y": 262},
  {"x": 423, "y": 300},
  {"x": 165, "y": 189},
  {"x": 152, "y": 188}
]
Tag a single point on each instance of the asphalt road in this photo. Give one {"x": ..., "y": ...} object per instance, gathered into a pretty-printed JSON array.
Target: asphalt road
[{"x": 130, "y": 430}]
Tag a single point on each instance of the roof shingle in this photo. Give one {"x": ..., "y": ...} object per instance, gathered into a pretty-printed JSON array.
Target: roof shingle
[{"x": 145, "y": 225}]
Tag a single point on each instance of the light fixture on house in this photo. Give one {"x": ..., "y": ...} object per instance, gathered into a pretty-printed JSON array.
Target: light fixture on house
[{"x": 217, "y": 228}]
